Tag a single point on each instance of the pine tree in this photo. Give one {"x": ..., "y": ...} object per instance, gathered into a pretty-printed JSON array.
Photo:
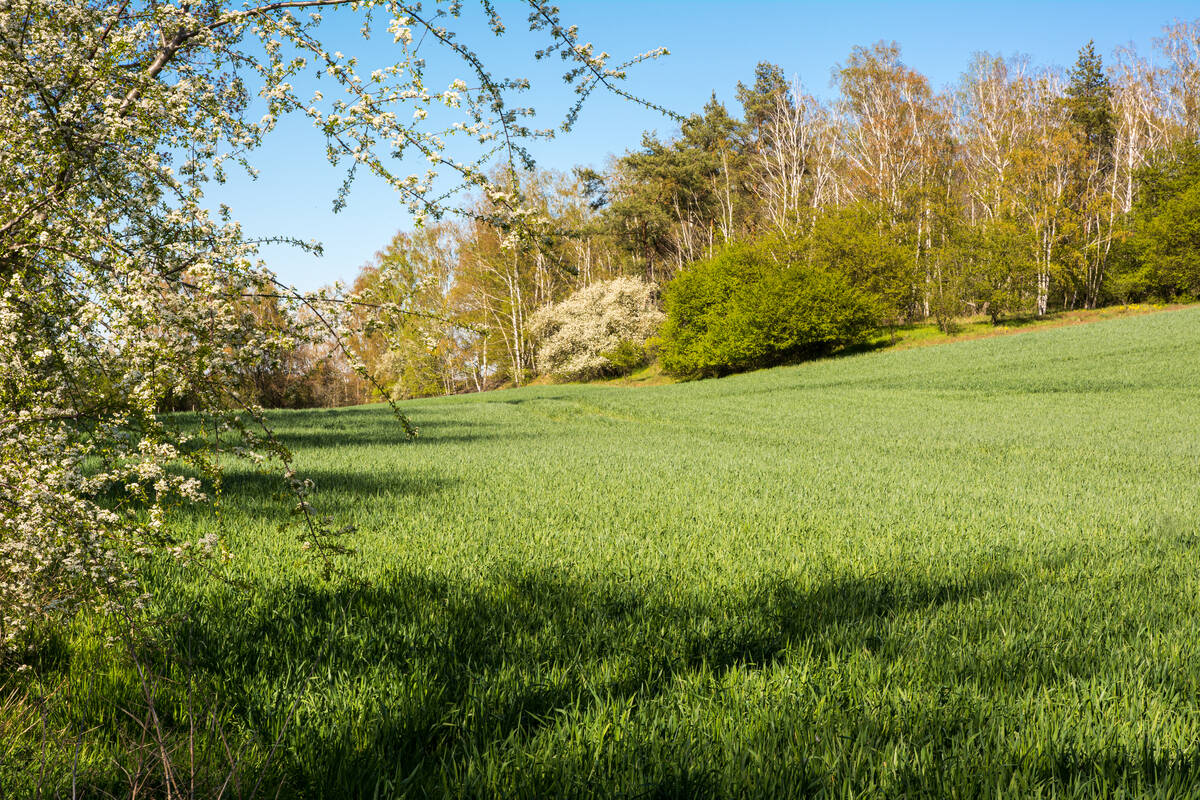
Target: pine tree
[
  {"x": 1090, "y": 103},
  {"x": 761, "y": 99}
]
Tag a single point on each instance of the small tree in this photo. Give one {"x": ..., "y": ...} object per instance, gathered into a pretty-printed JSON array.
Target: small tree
[
  {"x": 1004, "y": 272},
  {"x": 601, "y": 329}
]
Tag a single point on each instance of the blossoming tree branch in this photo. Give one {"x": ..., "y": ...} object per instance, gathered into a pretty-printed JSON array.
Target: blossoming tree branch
[{"x": 122, "y": 296}]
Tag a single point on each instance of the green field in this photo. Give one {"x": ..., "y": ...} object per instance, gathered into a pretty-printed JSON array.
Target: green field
[{"x": 966, "y": 570}]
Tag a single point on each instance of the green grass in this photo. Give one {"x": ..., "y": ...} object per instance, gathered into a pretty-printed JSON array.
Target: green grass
[
  {"x": 963, "y": 571},
  {"x": 920, "y": 334}
]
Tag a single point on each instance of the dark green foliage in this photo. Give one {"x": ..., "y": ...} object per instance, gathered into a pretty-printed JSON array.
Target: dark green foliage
[
  {"x": 1089, "y": 98},
  {"x": 761, "y": 99},
  {"x": 1162, "y": 257},
  {"x": 592, "y": 185},
  {"x": 754, "y": 305},
  {"x": 694, "y": 180}
]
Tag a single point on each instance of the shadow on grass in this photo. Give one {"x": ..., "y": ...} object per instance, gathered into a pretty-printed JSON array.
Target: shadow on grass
[
  {"x": 863, "y": 348},
  {"x": 516, "y": 683},
  {"x": 348, "y": 429},
  {"x": 266, "y": 496},
  {"x": 327, "y": 483},
  {"x": 1022, "y": 320},
  {"x": 419, "y": 681},
  {"x": 357, "y": 427}
]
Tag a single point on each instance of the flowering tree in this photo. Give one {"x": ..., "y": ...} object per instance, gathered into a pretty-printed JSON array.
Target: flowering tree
[
  {"x": 599, "y": 329},
  {"x": 120, "y": 293}
]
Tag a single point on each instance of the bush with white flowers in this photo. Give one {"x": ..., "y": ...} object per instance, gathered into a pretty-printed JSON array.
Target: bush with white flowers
[{"x": 601, "y": 329}]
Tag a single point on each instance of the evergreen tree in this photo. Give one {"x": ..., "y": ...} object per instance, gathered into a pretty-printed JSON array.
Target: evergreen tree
[
  {"x": 760, "y": 100},
  {"x": 674, "y": 200},
  {"x": 1089, "y": 98}
]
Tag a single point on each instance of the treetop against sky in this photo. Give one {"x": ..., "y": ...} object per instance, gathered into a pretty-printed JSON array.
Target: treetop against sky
[{"x": 712, "y": 46}]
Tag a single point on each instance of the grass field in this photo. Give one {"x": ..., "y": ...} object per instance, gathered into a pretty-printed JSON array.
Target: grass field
[
  {"x": 967, "y": 570},
  {"x": 924, "y": 334}
]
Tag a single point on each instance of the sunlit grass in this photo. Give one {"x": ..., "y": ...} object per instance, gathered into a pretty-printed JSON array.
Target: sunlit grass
[
  {"x": 978, "y": 327},
  {"x": 921, "y": 334},
  {"x": 960, "y": 571}
]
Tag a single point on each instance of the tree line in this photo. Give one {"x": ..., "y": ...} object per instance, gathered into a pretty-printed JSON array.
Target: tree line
[{"x": 1017, "y": 191}]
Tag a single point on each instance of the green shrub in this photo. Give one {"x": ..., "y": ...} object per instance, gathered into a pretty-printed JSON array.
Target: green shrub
[
  {"x": 857, "y": 241},
  {"x": 755, "y": 305},
  {"x": 1161, "y": 258},
  {"x": 627, "y": 356}
]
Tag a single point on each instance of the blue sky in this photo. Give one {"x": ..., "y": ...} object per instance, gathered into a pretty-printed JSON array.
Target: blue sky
[{"x": 713, "y": 45}]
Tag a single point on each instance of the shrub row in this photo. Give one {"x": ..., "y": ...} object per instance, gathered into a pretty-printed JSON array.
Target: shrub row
[{"x": 749, "y": 306}]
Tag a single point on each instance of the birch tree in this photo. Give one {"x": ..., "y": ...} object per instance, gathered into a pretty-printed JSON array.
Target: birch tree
[
  {"x": 895, "y": 140},
  {"x": 795, "y": 160},
  {"x": 1044, "y": 175},
  {"x": 886, "y": 120},
  {"x": 993, "y": 119},
  {"x": 1180, "y": 47}
]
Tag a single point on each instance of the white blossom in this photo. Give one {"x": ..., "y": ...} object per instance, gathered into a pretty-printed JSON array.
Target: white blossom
[
  {"x": 122, "y": 297},
  {"x": 577, "y": 335}
]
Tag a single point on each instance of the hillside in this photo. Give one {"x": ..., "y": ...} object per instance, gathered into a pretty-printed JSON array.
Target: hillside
[
  {"x": 777, "y": 439},
  {"x": 970, "y": 567}
]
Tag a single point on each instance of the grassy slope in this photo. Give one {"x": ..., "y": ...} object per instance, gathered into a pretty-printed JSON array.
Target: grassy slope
[
  {"x": 924, "y": 334},
  {"x": 967, "y": 569}
]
